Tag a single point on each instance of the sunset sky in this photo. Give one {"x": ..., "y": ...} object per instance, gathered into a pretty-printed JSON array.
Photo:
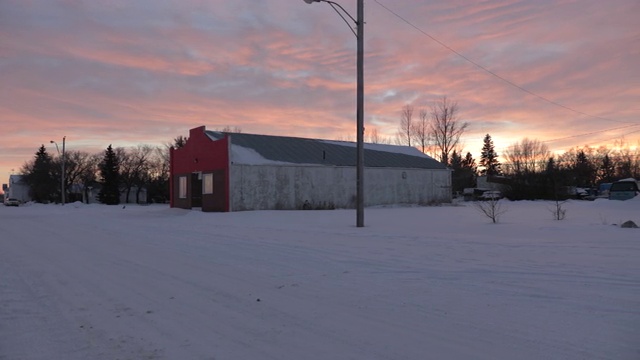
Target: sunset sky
[{"x": 143, "y": 72}]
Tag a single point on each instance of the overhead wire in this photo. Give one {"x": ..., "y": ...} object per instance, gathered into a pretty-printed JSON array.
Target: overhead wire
[
  {"x": 620, "y": 136},
  {"x": 593, "y": 132}
]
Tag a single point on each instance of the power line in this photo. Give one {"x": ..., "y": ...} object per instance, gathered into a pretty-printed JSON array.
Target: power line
[
  {"x": 592, "y": 133},
  {"x": 503, "y": 149},
  {"x": 620, "y": 136},
  {"x": 493, "y": 73}
]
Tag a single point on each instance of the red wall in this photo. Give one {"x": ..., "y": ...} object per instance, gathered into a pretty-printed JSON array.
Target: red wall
[{"x": 200, "y": 153}]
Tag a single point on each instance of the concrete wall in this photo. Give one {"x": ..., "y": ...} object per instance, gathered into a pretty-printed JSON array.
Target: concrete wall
[{"x": 260, "y": 187}]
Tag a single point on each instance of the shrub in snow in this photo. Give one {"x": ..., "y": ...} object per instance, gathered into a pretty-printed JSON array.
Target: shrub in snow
[
  {"x": 629, "y": 224},
  {"x": 559, "y": 212},
  {"x": 322, "y": 205},
  {"x": 491, "y": 208}
]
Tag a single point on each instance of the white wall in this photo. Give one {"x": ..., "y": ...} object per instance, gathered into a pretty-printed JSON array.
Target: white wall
[
  {"x": 17, "y": 189},
  {"x": 259, "y": 187}
]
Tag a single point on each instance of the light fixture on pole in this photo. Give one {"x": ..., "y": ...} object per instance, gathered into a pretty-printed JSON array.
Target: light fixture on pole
[
  {"x": 359, "y": 33},
  {"x": 62, "y": 192}
]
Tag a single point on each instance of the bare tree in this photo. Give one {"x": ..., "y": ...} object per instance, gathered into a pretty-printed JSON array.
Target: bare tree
[
  {"x": 559, "y": 211},
  {"x": 126, "y": 171},
  {"x": 446, "y": 128},
  {"x": 421, "y": 130},
  {"x": 627, "y": 160},
  {"x": 491, "y": 208},
  {"x": 144, "y": 156},
  {"x": 405, "y": 129},
  {"x": 90, "y": 173},
  {"x": 159, "y": 164},
  {"x": 374, "y": 137},
  {"x": 158, "y": 173},
  {"x": 229, "y": 129},
  {"x": 134, "y": 168},
  {"x": 527, "y": 156},
  {"x": 345, "y": 137},
  {"x": 80, "y": 169}
]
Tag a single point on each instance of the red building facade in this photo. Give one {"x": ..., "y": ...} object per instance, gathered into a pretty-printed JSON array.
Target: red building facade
[{"x": 200, "y": 173}]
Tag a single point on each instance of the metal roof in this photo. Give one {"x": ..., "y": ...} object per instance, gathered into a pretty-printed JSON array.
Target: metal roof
[{"x": 332, "y": 153}]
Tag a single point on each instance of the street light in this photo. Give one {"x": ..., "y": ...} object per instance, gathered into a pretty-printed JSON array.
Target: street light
[
  {"x": 63, "y": 161},
  {"x": 360, "y": 101}
]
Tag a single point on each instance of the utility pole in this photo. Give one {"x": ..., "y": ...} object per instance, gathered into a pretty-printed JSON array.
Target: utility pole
[
  {"x": 359, "y": 33},
  {"x": 63, "y": 161}
]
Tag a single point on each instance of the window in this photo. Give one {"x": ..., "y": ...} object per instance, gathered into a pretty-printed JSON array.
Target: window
[
  {"x": 182, "y": 187},
  {"x": 207, "y": 183}
]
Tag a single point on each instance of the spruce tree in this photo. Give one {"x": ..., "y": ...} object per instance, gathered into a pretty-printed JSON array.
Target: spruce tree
[
  {"x": 464, "y": 171},
  {"x": 469, "y": 163},
  {"x": 469, "y": 171},
  {"x": 180, "y": 142},
  {"x": 43, "y": 186},
  {"x": 455, "y": 161},
  {"x": 489, "y": 158},
  {"x": 109, "y": 173},
  {"x": 607, "y": 170},
  {"x": 583, "y": 170}
]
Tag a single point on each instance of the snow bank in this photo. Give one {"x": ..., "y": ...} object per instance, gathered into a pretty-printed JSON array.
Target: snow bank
[{"x": 103, "y": 282}]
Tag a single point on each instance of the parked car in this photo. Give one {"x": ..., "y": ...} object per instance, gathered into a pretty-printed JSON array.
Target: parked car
[
  {"x": 11, "y": 202},
  {"x": 603, "y": 190},
  {"x": 624, "y": 189},
  {"x": 491, "y": 195}
]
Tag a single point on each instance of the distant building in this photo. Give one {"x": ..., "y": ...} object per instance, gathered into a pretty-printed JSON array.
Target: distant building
[
  {"x": 218, "y": 171},
  {"x": 499, "y": 183},
  {"x": 16, "y": 189}
]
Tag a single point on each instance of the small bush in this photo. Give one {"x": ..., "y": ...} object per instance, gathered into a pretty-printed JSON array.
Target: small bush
[
  {"x": 559, "y": 212},
  {"x": 491, "y": 208}
]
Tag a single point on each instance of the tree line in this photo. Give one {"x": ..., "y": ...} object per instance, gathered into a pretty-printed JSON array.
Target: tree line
[
  {"x": 115, "y": 171},
  {"x": 536, "y": 173},
  {"x": 530, "y": 169},
  {"x": 137, "y": 174}
]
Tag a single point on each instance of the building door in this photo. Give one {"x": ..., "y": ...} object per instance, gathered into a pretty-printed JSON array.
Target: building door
[
  {"x": 215, "y": 194},
  {"x": 196, "y": 190}
]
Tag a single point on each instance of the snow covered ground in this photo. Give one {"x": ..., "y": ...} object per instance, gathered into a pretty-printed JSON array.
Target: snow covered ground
[{"x": 149, "y": 282}]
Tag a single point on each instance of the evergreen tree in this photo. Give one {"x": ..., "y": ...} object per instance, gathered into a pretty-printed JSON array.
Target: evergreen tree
[
  {"x": 469, "y": 163},
  {"x": 180, "y": 142},
  {"x": 469, "y": 171},
  {"x": 43, "y": 186},
  {"x": 455, "y": 161},
  {"x": 464, "y": 171},
  {"x": 553, "y": 177},
  {"x": 583, "y": 170},
  {"x": 110, "y": 173},
  {"x": 607, "y": 170},
  {"x": 489, "y": 158}
]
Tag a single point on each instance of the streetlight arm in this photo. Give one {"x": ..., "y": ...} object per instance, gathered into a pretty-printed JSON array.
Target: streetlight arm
[
  {"x": 56, "y": 144},
  {"x": 341, "y": 11},
  {"x": 333, "y": 5}
]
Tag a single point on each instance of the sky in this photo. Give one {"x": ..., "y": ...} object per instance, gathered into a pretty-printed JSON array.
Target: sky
[{"x": 128, "y": 73}]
